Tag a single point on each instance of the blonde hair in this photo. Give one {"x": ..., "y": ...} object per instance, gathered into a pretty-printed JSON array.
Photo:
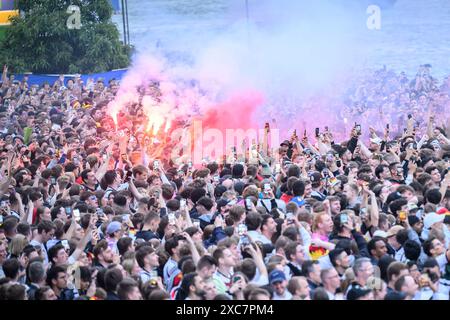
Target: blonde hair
[
  {"x": 18, "y": 243},
  {"x": 128, "y": 265},
  {"x": 317, "y": 218}
]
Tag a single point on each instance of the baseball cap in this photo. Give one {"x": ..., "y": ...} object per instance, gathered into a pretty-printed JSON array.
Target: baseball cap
[
  {"x": 315, "y": 177},
  {"x": 113, "y": 227},
  {"x": 431, "y": 219},
  {"x": 380, "y": 233},
  {"x": 219, "y": 191},
  {"x": 53, "y": 111},
  {"x": 285, "y": 143},
  {"x": 394, "y": 230},
  {"x": 412, "y": 220},
  {"x": 376, "y": 140},
  {"x": 276, "y": 276},
  {"x": 357, "y": 292},
  {"x": 221, "y": 203}
]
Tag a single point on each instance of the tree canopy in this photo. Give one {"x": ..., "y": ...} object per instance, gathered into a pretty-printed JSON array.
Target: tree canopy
[{"x": 40, "y": 41}]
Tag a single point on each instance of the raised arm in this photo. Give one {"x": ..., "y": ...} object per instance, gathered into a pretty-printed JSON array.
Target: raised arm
[
  {"x": 134, "y": 190},
  {"x": 20, "y": 205},
  {"x": 374, "y": 211},
  {"x": 364, "y": 149},
  {"x": 265, "y": 148},
  {"x": 73, "y": 226},
  {"x": 104, "y": 166},
  {"x": 444, "y": 185},
  {"x": 84, "y": 241},
  {"x": 257, "y": 258},
  {"x": 191, "y": 244}
]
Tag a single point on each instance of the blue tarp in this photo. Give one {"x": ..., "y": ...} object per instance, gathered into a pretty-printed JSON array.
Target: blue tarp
[
  {"x": 41, "y": 78},
  {"x": 8, "y": 5}
]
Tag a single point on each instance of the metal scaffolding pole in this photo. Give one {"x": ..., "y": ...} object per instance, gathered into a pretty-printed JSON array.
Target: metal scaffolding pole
[
  {"x": 126, "y": 19},
  {"x": 124, "y": 23}
]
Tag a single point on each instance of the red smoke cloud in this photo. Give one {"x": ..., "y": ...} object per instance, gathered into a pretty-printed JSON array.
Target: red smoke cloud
[{"x": 235, "y": 113}]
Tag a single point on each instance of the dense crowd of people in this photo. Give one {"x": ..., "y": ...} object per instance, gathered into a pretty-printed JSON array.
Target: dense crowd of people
[{"x": 94, "y": 212}]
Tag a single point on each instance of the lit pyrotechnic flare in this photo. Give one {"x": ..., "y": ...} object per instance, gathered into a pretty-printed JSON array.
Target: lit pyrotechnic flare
[
  {"x": 168, "y": 125},
  {"x": 118, "y": 104}
]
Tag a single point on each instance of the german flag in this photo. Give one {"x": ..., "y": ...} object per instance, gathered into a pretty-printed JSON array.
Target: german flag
[{"x": 317, "y": 252}]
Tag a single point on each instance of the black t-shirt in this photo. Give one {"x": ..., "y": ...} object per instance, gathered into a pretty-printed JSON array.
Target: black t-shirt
[
  {"x": 87, "y": 188},
  {"x": 111, "y": 296},
  {"x": 66, "y": 294},
  {"x": 371, "y": 229},
  {"x": 295, "y": 271},
  {"x": 32, "y": 291},
  {"x": 146, "y": 235}
]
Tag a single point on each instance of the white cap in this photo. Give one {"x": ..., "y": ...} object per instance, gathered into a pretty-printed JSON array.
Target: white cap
[
  {"x": 376, "y": 140},
  {"x": 380, "y": 233},
  {"x": 431, "y": 219}
]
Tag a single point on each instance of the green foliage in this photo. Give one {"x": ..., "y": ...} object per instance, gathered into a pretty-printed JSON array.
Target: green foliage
[{"x": 39, "y": 40}]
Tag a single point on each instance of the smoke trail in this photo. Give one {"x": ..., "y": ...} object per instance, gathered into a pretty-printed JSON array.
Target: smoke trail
[{"x": 283, "y": 65}]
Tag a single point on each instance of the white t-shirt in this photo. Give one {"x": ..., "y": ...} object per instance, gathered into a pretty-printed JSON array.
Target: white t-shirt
[
  {"x": 400, "y": 255},
  {"x": 442, "y": 261},
  {"x": 256, "y": 236},
  {"x": 259, "y": 280},
  {"x": 287, "y": 296},
  {"x": 325, "y": 262}
]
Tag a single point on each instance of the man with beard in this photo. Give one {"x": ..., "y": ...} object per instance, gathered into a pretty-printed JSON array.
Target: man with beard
[
  {"x": 223, "y": 206},
  {"x": 192, "y": 288},
  {"x": 57, "y": 280},
  {"x": 103, "y": 255},
  {"x": 340, "y": 261}
]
